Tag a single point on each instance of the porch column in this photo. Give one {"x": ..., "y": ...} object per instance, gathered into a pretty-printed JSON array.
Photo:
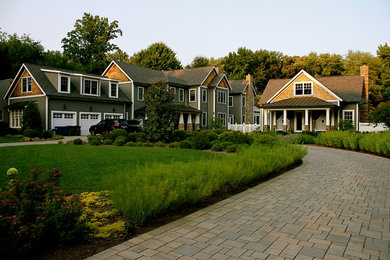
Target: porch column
[
  {"x": 273, "y": 120},
  {"x": 306, "y": 126},
  {"x": 332, "y": 120},
  {"x": 266, "y": 127},
  {"x": 181, "y": 122},
  {"x": 284, "y": 120},
  {"x": 189, "y": 123},
  {"x": 197, "y": 121},
  {"x": 327, "y": 119}
]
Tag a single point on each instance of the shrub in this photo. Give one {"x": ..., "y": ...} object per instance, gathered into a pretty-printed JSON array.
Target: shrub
[
  {"x": 304, "y": 138},
  {"x": 217, "y": 147},
  {"x": 159, "y": 144},
  {"x": 117, "y": 132},
  {"x": 47, "y": 134},
  {"x": 141, "y": 137},
  {"x": 139, "y": 144},
  {"x": 31, "y": 133},
  {"x": 174, "y": 145},
  {"x": 132, "y": 137},
  {"x": 130, "y": 143},
  {"x": 120, "y": 140},
  {"x": 186, "y": 144},
  {"x": 178, "y": 135},
  {"x": 262, "y": 139},
  {"x": 94, "y": 140},
  {"x": 231, "y": 148},
  {"x": 235, "y": 137},
  {"x": 4, "y": 128},
  {"x": 77, "y": 141},
  {"x": 345, "y": 125},
  {"x": 107, "y": 142},
  {"x": 202, "y": 140},
  {"x": 34, "y": 211},
  {"x": 147, "y": 144},
  {"x": 31, "y": 117}
]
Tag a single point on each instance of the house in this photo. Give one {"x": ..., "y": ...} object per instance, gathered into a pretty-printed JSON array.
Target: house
[
  {"x": 315, "y": 103},
  {"x": 200, "y": 93},
  {"x": 4, "y": 86},
  {"x": 241, "y": 101},
  {"x": 65, "y": 98}
]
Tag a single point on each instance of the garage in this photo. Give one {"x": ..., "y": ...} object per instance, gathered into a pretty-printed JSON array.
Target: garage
[
  {"x": 63, "y": 118},
  {"x": 87, "y": 120}
]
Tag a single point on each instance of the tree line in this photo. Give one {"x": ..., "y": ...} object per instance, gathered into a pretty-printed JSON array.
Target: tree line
[{"x": 89, "y": 48}]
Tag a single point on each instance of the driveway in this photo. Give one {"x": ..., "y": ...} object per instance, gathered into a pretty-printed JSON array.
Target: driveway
[
  {"x": 64, "y": 140},
  {"x": 334, "y": 206}
]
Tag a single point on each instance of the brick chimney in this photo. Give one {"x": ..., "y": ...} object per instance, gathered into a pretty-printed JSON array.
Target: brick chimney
[
  {"x": 364, "y": 108},
  {"x": 249, "y": 100}
]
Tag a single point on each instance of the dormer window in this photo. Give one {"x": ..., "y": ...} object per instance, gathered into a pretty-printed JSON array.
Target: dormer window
[
  {"x": 26, "y": 85},
  {"x": 64, "y": 84},
  {"x": 113, "y": 90},
  {"x": 303, "y": 89},
  {"x": 91, "y": 87}
]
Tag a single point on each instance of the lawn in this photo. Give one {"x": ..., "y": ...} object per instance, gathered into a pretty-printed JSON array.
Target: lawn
[
  {"x": 10, "y": 139},
  {"x": 84, "y": 167}
]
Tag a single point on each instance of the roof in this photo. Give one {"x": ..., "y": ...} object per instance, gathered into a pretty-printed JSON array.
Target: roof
[
  {"x": 176, "y": 108},
  {"x": 4, "y": 86},
  {"x": 184, "y": 77},
  {"x": 299, "y": 102},
  {"x": 17, "y": 105},
  {"x": 48, "y": 88},
  {"x": 349, "y": 88},
  {"x": 238, "y": 86}
]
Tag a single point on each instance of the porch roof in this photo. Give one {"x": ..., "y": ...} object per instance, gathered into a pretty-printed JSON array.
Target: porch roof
[
  {"x": 176, "y": 108},
  {"x": 309, "y": 102}
]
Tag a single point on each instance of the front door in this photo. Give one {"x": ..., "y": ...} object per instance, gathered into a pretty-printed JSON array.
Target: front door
[{"x": 298, "y": 120}]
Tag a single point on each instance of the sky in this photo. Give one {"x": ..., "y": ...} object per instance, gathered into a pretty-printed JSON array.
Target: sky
[{"x": 212, "y": 28}]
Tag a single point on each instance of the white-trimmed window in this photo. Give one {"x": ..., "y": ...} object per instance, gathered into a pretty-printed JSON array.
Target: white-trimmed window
[
  {"x": 113, "y": 116},
  {"x": 230, "y": 101},
  {"x": 204, "y": 95},
  {"x": 303, "y": 89},
  {"x": 243, "y": 99},
  {"x": 348, "y": 115},
  {"x": 91, "y": 87},
  {"x": 181, "y": 95},
  {"x": 204, "y": 118},
  {"x": 64, "y": 84},
  {"x": 192, "y": 95},
  {"x": 173, "y": 90},
  {"x": 231, "y": 119},
  {"x": 243, "y": 119},
  {"x": 141, "y": 93},
  {"x": 113, "y": 90},
  {"x": 16, "y": 118},
  {"x": 221, "y": 97},
  {"x": 223, "y": 117},
  {"x": 26, "y": 84}
]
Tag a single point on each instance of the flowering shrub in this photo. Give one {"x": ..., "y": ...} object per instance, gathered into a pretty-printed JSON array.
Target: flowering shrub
[{"x": 35, "y": 211}]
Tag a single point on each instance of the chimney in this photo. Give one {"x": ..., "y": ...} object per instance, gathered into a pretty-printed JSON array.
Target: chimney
[
  {"x": 249, "y": 79},
  {"x": 217, "y": 69},
  {"x": 250, "y": 98},
  {"x": 364, "y": 74}
]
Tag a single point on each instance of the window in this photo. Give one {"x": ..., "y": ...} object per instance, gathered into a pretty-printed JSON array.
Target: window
[
  {"x": 192, "y": 95},
  {"x": 64, "y": 85},
  {"x": 113, "y": 90},
  {"x": 204, "y": 95},
  {"x": 181, "y": 95},
  {"x": 221, "y": 97},
  {"x": 26, "y": 84},
  {"x": 223, "y": 117},
  {"x": 204, "y": 118},
  {"x": 303, "y": 89},
  {"x": 16, "y": 118},
  {"x": 173, "y": 90},
  {"x": 230, "y": 101},
  {"x": 112, "y": 116},
  {"x": 348, "y": 115},
  {"x": 91, "y": 87},
  {"x": 57, "y": 115},
  {"x": 243, "y": 99},
  {"x": 95, "y": 117},
  {"x": 231, "y": 119},
  {"x": 68, "y": 116},
  {"x": 243, "y": 119},
  {"x": 84, "y": 116},
  {"x": 141, "y": 92},
  {"x": 256, "y": 119}
]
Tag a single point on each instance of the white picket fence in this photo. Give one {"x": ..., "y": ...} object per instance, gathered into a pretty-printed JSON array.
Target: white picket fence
[
  {"x": 245, "y": 128},
  {"x": 369, "y": 127}
]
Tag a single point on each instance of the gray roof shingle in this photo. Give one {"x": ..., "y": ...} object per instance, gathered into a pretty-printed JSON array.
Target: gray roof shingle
[
  {"x": 299, "y": 102},
  {"x": 238, "y": 86}
]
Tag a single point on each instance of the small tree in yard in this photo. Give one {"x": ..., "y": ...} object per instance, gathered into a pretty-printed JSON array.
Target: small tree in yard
[
  {"x": 31, "y": 117},
  {"x": 381, "y": 114},
  {"x": 158, "y": 101}
]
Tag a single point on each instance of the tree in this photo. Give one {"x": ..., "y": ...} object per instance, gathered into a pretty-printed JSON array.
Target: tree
[
  {"x": 381, "y": 114},
  {"x": 158, "y": 101},
  {"x": 199, "y": 61},
  {"x": 90, "y": 41},
  {"x": 118, "y": 55},
  {"x": 157, "y": 56},
  {"x": 384, "y": 53},
  {"x": 31, "y": 117}
]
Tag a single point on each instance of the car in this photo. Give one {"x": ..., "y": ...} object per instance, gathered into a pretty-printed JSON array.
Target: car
[
  {"x": 107, "y": 125},
  {"x": 136, "y": 125}
]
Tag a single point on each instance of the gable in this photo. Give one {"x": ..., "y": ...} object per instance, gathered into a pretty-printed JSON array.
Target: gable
[
  {"x": 17, "y": 91},
  {"x": 223, "y": 83},
  {"x": 209, "y": 78},
  {"x": 114, "y": 72},
  {"x": 318, "y": 91}
]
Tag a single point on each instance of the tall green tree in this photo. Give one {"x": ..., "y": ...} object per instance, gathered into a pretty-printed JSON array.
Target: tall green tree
[
  {"x": 90, "y": 41},
  {"x": 158, "y": 102},
  {"x": 31, "y": 117},
  {"x": 199, "y": 61},
  {"x": 157, "y": 56},
  {"x": 118, "y": 55}
]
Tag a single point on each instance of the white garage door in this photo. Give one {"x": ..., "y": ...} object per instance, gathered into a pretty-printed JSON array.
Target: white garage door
[
  {"x": 88, "y": 119},
  {"x": 62, "y": 118}
]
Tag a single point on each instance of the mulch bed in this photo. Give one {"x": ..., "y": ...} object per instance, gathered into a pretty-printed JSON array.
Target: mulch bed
[{"x": 82, "y": 251}]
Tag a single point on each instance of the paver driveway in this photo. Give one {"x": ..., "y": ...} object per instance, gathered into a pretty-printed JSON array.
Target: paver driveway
[{"x": 336, "y": 205}]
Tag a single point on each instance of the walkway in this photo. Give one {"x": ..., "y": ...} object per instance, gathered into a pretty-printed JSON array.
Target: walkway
[
  {"x": 336, "y": 205},
  {"x": 64, "y": 140}
]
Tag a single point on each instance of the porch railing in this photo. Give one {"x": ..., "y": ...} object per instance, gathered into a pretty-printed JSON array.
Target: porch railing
[
  {"x": 370, "y": 127},
  {"x": 245, "y": 128}
]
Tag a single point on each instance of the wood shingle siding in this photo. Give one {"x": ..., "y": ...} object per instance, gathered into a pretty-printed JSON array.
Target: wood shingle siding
[{"x": 18, "y": 89}]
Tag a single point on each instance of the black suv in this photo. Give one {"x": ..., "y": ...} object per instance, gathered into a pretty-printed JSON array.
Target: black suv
[
  {"x": 136, "y": 125},
  {"x": 108, "y": 125}
]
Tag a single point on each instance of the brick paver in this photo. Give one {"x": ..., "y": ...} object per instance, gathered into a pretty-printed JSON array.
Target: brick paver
[{"x": 336, "y": 205}]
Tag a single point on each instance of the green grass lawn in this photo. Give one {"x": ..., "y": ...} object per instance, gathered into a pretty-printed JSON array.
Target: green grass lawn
[
  {"x": 11, "y": 139},
  {"x": 84, "y": 167}
]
